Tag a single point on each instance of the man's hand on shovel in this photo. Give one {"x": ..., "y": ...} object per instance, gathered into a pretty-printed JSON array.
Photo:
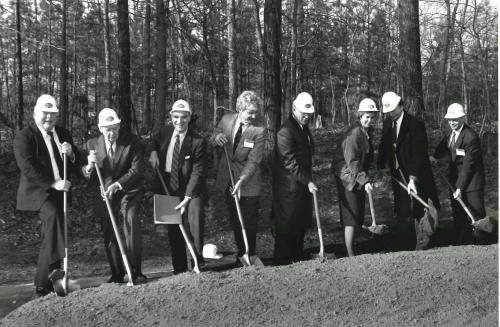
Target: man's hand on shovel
[
  {"x": 236, "y": 190},
  {"x": 182, "y": 206},
  {"x": 312, "y": 187}
]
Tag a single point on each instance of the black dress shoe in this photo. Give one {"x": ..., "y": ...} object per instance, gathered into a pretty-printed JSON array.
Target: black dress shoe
[
  {"x": 116, "y": 279},
  {"x": 41, "y": 291},
  {"x": 139, "y": 278}
]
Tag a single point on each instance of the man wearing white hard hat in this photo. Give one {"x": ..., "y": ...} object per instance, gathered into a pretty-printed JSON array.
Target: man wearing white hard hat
[
  {"x": 404, "y": 149},
  {"x": 39, "y": 150},
  {"x": 244, "y": 141},
  {"x": 180, "y": 153},
  {"x": 466, "y": 171},
  {"x": 350, "y": 167},
  {"x": 292, "y": 182},
  {"x": 120, "y": 158}
]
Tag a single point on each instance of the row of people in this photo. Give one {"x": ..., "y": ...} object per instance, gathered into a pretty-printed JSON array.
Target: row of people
[{"x": 180, "y": 154}]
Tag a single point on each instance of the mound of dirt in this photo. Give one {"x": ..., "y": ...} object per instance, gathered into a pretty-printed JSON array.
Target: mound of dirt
[{"x": 453, "y": 286}]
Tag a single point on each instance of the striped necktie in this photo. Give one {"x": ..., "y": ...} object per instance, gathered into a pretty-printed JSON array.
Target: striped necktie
[
  {"x": 174, "y": 171},
  {"x": 237, "y": 137}
]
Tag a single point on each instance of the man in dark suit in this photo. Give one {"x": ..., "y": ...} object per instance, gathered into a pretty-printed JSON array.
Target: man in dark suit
[
  {"x": 292, "y": 182},
  {"x": 466, "y": 171},
  {"x": 39, "y": 150},
  {"x": 180, "y": 153},
  {"x": 404, "y": 149},
  {"x": 120, "y": 158},
  {"x": 244, "y": 141}
]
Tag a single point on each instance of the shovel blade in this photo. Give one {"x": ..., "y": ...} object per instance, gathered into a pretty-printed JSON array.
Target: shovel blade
[
  {"x": 245, "y": 260},
  {"x": 378, "y": 229},
  {"x": 255, "y": 261},
  {"x": 484, "y": 225}
]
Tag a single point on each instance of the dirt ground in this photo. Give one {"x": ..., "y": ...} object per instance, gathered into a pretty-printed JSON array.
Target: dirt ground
[
  {"x": 453, "y": 286},
  {"x": 443, "y": 286}
]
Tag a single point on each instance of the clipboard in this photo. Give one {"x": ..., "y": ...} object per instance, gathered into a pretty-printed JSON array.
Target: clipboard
[{"x": 164, "y": 209}]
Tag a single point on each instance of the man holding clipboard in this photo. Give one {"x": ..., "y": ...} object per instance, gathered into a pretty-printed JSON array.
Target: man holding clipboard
[{"x": 179, "y": 153}]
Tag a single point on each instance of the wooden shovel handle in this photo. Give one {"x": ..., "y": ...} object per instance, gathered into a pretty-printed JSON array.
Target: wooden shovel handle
[
  {"x": 415, "y": 196},
  {"x": 372, "y": 209}
]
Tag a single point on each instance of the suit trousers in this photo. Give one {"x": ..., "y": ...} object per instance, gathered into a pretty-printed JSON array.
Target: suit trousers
[
  {"x": 52, "y": 238},
  {"x": 125, "y": 207},
  {"x": 288, "y": 247},
  {"x": 250, "y": 210},
  {"x": 462, "y": 228},
  {"x": 193, "y": 221}
]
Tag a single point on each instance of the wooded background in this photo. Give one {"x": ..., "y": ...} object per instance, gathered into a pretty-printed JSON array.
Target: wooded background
[{"x": 140, "y": 56}]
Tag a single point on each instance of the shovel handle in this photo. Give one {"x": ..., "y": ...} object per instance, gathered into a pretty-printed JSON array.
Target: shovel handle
[
  {"x": 413, "y": 194},
  {"x": 162, "y": 180},
  {"x": 115, "y": 228},
  {"x": 453, "y": 189},
  {"x": 65, "y": 217},
  {"x": 318, "y": 222},
  {"x": 372, "y": 209}
]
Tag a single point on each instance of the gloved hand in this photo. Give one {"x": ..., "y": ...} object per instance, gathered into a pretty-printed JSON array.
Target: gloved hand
[
  {"x": 183, "y": 205},
  {"x": 368, "y": 187},
  {"x": 412, "y": 186}
]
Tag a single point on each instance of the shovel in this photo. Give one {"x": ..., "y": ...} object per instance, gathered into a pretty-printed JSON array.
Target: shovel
[
  {"x": 427, "y": 225},
  {"x": 483, "y": 224},
  {"x": 115, "y": 227},
  {"x": 374, "y": 228},
  {"x": 321, "y": 254},
  {"x": 245, "y": 258},
  {"x": 196, "y": 269},
  {"x": 60, "y": 280}
]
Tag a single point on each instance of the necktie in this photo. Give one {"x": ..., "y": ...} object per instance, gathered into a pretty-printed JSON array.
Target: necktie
[
  {"x": 452, "y": 146},
  {"x": 111, "y": 155},
  {"x": 174, "y": 172},
  {"x": 237, "y": 137},
  {"x": 57, "y": 154},
  {"x": 394, "y": 142}
]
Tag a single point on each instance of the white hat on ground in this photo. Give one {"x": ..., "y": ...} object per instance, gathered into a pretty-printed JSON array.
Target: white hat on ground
[
  {"x": 304, "y": 103},
  {"x": 367, "y": 105},
  {"x": 181, "y": 105},
  {"x": 46, "y": 103},
  {"x": 390, "y": 101},
  {"x": 108, "y": 117},
  {"x": 210, "y": 251},
  {"x": 455, "y": 110}
]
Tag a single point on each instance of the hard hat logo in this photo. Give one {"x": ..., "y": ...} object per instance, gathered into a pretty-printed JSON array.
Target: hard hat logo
[
  {"x": 110, "y": 118},
  {"x": 180, "y": 105},
  {"x": 48, "y": 105}
]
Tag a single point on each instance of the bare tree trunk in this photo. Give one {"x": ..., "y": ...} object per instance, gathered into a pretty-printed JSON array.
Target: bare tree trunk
[
  {"x": 20, "y": 103},
  {"x": 296, "y": 22},
  {"x": 37, "y": 66},
  {"x": 7, "y": 87},
  {"x": 272, "y": 83},
  {"x": 161, "y": 59},
  {"x": 258, "y": 37},
  {"x": 409, "y": 49},
  {"x": 49, "y": 50},
  {"x": 124, "y": 101},
  {"x": 181, "y": 54},
  {"x": 63, "y": 96},
  {"x": 462, "y": 58},
  {"x": 147, "y": 67},
  {"x": 104, "y": 20},
  {"x": 231, "y": 60}
]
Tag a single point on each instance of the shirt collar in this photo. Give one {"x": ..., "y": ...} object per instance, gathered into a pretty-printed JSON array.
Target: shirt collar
[
  {"x": 400, "y": 119},
  {"x": 44, "y": 132},
  {"x": 459, "y": 130}
]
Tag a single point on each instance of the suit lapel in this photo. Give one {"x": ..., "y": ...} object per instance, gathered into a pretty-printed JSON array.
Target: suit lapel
[
  {"x": 166, "y": 142},
  {"x": 185, "y": 148},
  {"x": 403, "y": 129},
  {"x": 460, "y": 139},
  {"x": 100, "y": 149}
]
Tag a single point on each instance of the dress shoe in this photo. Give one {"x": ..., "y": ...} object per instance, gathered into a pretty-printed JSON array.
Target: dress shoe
[
  {"x": 56, "y": 278},
  {"x": 41, "y": 291},
  {"x": 116, "y": 279},
  {"x": 139, "y": 278}
]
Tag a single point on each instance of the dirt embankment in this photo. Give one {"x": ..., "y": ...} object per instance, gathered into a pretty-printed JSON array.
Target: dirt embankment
[{"x": 453, "y": 286}]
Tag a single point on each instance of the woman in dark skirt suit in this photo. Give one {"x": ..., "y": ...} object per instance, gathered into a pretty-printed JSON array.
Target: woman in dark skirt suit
[{"x": 350, "y": 168}]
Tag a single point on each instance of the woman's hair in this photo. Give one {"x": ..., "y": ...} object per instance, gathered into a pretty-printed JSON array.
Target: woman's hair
[{"x": 246, "y": 100}]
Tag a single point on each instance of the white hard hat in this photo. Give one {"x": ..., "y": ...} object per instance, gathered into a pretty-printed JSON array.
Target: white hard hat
[
  {"x": 367, "y": 105},
  {"x": 455, "y": 110},
  {"x": 210, "y": 251},
  {"x": 46, "y": 103},
  {"x": 181, "y": 105},
  {"x": 108, "y": 117},
  {"x": 390, "y": 101},
  {"x": 304, "y": 103}
]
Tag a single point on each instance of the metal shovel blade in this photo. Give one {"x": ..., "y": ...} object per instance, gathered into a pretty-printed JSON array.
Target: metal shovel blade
[
  {"x": 377, "y": 229},
  {"x": 485, "y": 225}
]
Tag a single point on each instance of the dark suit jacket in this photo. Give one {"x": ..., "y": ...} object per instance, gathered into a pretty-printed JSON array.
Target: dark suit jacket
[
  {"x": 33, "y": 160},
  {"x": 246, "y": 159},
  {"x": 352, "y": 158},
  {"x": 412, "y": 154},
  {"x": 192, "y": 161},
  {"x": 466, "y": 172},
  {"x": 292, "y": 171},
  {"x": 128, "y": 165}
]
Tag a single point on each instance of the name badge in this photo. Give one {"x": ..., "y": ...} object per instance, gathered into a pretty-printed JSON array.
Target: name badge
[
  {"x": 187, "y": 157},
  {"x": 460, "y": 152},
  {"x": 248, "y": 144}
]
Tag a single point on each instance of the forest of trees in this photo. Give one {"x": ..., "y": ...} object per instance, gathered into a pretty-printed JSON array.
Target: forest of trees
[{"x": 140, "y": 56}]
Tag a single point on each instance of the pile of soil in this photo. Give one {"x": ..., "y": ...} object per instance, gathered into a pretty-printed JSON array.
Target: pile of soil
[{"x": 452, "y": 286}]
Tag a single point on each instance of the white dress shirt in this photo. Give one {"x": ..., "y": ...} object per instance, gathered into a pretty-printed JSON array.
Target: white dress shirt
[
  {"x": 455, "y": 134},
  {"x": 398, "y": 123},
  {"x": 52, "y": 153}
]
